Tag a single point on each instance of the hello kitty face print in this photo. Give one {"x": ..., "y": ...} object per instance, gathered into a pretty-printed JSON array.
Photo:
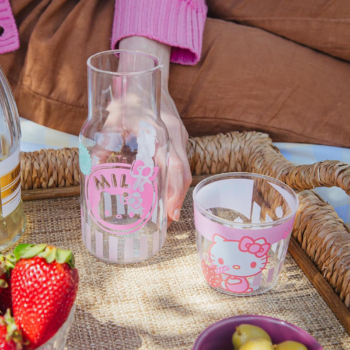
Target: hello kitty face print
[
  {"x": 232, "y": 262},
  {"x": 244, "y": 258},
  {"x": 121, "y": 197}
]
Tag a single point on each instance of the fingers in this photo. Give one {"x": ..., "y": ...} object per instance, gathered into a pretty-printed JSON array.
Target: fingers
[
  {"x": 180, "y": 179},
  {"x": 176, "y": 187},
  {"x": 187, "y": 176}
]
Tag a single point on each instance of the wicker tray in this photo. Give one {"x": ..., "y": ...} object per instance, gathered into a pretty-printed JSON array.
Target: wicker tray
[{"x": 321, "y": 240}]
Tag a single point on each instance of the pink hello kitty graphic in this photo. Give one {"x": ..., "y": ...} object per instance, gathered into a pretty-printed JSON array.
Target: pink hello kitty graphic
[
  {"x": 236, "y": 260},
  {"x": 142, "y": 174}
]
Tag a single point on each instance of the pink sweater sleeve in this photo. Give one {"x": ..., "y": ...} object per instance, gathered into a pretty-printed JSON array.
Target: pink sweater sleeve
[
  {"x": 9, "y": 39},
  {"x": 178, "y": 23}
]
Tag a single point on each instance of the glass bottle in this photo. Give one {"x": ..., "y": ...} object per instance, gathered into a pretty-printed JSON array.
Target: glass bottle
[
  {"x": 123, "y": 158},
  {"x": 12, "y": 218}
]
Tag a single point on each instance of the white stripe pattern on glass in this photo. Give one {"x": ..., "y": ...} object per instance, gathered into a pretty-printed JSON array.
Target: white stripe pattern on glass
[
  {"x": 155, "y": 242},
  {"x": 82, "y": 226},
  {"x": 270, "y": 275},
  {"x": 99, "y": 244},
  {"x": 88, "y": 237},
  {"x": 143, "y": 248},
  {"x": 128, "y": 249},
  {"x": 113, "y": 249}
]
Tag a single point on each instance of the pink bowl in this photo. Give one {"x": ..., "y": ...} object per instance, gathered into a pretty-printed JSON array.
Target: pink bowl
[{"x": 219, "y": 335}]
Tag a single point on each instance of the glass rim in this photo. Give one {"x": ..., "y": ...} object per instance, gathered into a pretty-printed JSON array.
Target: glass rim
[
  {"x": 158, "y": 65},
  {"x": 243, "y": 175}
]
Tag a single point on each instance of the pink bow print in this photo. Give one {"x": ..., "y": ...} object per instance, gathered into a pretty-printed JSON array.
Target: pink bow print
[{"x": 249, "y": 245}]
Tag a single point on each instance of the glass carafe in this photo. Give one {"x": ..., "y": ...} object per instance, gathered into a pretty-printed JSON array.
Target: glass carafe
[
  {"x": 123, "y": 157},
  {"x": 12, "y": 218}
]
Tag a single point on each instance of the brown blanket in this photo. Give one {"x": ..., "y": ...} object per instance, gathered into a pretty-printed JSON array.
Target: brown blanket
[{"x": 247, "y": 79}]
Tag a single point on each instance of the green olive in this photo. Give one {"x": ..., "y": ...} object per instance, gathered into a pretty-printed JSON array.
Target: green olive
[
  {"x": 257, "y": 344},
  {"x": 245, "y": 332},
  {"x": 290, "y": 345}
]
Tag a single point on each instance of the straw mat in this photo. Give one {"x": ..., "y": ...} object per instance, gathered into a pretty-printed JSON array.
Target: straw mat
[{"x": 164, "y": 303}]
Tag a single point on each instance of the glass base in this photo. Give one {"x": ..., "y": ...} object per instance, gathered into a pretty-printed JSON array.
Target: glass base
[
  {"x": 251, "y": 294},
  {"x": 58, "y": 341},
  {"x": 16, "y": 223},
  {"x": 135, "y": 260},
  {"x": 10, "y": 244},
  {"x": 125, "y": 249}
]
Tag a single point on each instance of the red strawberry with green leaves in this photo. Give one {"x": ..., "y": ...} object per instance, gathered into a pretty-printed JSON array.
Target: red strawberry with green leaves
[
  {"x": 44, "y": 287},
  {"x": 6, "y": 265},
  {"x": 10, "y": 335},
  {"x": 210, "y": 275}
]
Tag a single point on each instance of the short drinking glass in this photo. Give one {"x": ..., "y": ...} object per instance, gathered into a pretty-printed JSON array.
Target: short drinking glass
[{"x": 243, "y": 226}]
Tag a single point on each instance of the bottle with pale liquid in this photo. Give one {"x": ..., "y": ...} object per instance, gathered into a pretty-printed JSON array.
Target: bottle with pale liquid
[{"x": 12, "y": 218}]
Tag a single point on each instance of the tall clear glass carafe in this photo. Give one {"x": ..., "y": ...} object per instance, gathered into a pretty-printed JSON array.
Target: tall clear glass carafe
[
  {"x": 123, "y": 157},
  {"x": 12, "y": 218}
]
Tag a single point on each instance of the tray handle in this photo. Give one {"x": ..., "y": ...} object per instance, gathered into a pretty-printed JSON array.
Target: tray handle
[
  {"x": 254, "y": 152},
  {"x": 234, "y": 151}
]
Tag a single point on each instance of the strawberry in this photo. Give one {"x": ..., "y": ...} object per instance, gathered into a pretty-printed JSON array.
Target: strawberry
[
  {"x": 210, "y": 275},
  {"x": 6, "y": 265},
  {"x": 44, "y": 286},
  {"x": 10, "y": 336},
  {"x": 6, "y": 299}
]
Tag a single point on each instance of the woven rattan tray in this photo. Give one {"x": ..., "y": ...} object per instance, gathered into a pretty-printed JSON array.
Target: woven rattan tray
[{"x": 320, "y": 242}]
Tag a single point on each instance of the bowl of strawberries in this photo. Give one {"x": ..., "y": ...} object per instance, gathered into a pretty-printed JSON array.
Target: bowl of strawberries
[{"x": 38, "y": 287}]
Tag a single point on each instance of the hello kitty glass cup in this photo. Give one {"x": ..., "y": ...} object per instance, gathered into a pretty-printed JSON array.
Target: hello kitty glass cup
[{"x": 243, "y": 226}]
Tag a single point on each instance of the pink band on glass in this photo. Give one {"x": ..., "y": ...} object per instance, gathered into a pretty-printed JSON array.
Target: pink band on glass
[
  {"x": 208, "y": 229},
  {"x": 9, "y": 39}
]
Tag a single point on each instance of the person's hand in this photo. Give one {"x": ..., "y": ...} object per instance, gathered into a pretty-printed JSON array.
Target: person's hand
[{"x": 180, "y": 177}]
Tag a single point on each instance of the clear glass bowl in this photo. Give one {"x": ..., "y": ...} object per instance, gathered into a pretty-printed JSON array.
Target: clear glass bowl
[{"x": 58, "y": 341}]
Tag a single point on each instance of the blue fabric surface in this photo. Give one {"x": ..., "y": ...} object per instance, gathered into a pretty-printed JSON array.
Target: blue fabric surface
[{"x": 308, "y": 154}]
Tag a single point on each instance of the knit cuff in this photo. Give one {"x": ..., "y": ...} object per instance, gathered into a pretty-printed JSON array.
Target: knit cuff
[
  {"x": 177, "y": 23},
  {"x": 9, "y": 39}
]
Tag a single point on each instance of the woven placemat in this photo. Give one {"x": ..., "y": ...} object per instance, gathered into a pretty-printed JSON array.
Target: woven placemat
[{"x": 164, "y": 303}]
